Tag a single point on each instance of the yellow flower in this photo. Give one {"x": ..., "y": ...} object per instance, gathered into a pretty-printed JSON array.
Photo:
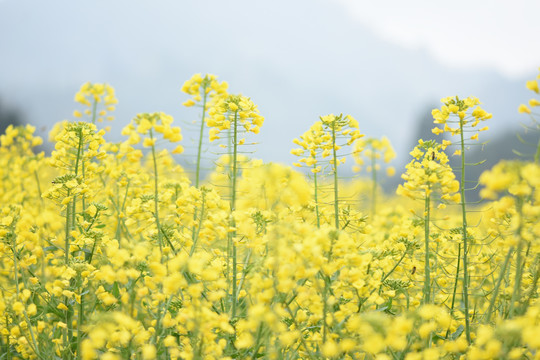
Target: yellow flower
[
  {"x": 148, "y": 352},
  {"x": 524, "y": 109},
  {"x": 178, "y": 150},
  {"x": 532, "y": 85},
  {"x": 234, "y": 110},
  {"x": 534, "y": 102},
  {"x": 147, "y": 142},
  {"x": 330, "y": 349}
]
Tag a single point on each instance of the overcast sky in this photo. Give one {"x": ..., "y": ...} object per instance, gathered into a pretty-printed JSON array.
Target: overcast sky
[
  {"x": 385, "y": 62},
  {"x": 502, "y": 34}
]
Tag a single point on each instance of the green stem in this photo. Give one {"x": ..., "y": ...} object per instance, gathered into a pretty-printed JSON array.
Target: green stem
[
  {"x": 233, "y": 208},
  {"x": 297, "y": 326},
  {"x": 80, "y": 320},
  {"x": 79, "y": 151},
  {"x": 455, "y": 286},
  {"x": 336, "y": 204},
  {"x": 393, "y": 269},
  {"x": 38, "y": 186},
  {"x": 27, "y": 319},
  {"x": 325, "y": 307},
  {"x": 374, "y": 183},
  {"x": 516, "y": 294},
  {"x": 67, "y": 229},
  {"x": 427, "y": 279},
  {"x": 195, "y": 232},
  {"x": 534, "y": 285},
  {"x": 465, "y": 240},
  {"x": 156, "y": 195},
  {"x": 316, "y": 197},
  {"x": 537, "y": 154},
  {"x": 94, "y": 107},
  {"x": 498, "y": 285},
  {"x": 201, "y": 133}
]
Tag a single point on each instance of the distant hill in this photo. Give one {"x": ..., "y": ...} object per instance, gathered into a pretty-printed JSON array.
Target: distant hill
[{"x": 300, "y": 60}]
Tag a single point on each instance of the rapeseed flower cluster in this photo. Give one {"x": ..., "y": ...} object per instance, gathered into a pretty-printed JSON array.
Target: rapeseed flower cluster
[
  {"x": 460, "y": 117},
  {"x": 427, "y": 172},
  {"x": 201, "y": 87},
  {"x": 373, "y": 149},
  {"x": 533, "y": 86},
  {"x": 237, "y": 111},
  {"x": 148, "y": 124},
  {"x": 111, "y": 251},
  {"x": 99, "y": 100}
]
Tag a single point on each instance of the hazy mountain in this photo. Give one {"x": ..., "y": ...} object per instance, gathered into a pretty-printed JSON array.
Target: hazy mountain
[{"x": 296, "y": 59}]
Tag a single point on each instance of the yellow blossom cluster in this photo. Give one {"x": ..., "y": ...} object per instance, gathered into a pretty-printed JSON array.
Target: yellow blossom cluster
[
  {"x": 533, "y": 86},
  {"x": 324, "y": 138},
  {"x": 109, "y": 252},
  {"x": 200, "y": 87},
  {"x": 372, "y": 149},
  {"x": 12, "y": 135},
  {"x": 429, "y": 171},
  {"x": 146, "y": 124},
  {"x": 99, "y": 100},
  {"x": 460, "y": 116},
  {"x": 236, "y": 113}
]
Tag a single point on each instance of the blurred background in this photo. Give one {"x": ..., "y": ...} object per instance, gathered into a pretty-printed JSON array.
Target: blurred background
[{"x": 387, "y": 63}]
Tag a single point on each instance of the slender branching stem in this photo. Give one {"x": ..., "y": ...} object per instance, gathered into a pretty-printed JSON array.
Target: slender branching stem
[
  {"x": 495, "y": 292},
  {"x": 316, "y": 196},
  {"x": 201, "y": 134},
  {"x": 156, "y": 195},
  {"x": 335, "y": 171},
  {"x": 516, "y": 293},
  {"x": 465, "y": 238},
  {"x": 233, "y": 208},
  {"x": 373, "y": 183},
  {"x": 427, "y": 279}
]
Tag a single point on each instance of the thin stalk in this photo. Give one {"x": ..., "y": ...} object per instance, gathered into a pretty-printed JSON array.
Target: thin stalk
[
  {"x": 195, "y": 233},
  {"x": 336, "y": 203},
  {"x": 498, "y": 285},
  {"x": 16, "y": 275},
  {"x": 233, "y": 208},
  {"x": 201, "y": 133},
  {"x": 516, "y": 294},
  {"x": 302, "y": 340},
  {"x": 327, "y": 284},
  {"x": 316, "y": 197},
  {"x": 533, "y": 287},
  {"x": 374, "y": 183},
  {"x": 427, "y": 279},
  {"x": 94, "y": 106},
  {"x": 79, "y": 151},
  {"x": 156, "y": 194},
  {"x": 67, "y": 229},
  {"x": 456, "y": 280},
  {"x": 229, "y": 237},
  {"x": 537, "y": 154},
  {"x": 325, "y": 307},
  {"x": 455, "y": 288},
  {"x": 395, "y": 266},
  {"x": 38, "y": 186},
  {"x": 465, "y": 240},
  {"x": 257, "y": 342},
  {"x": 8, "y": 347},
  {"x": 336, "y": 220}
]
